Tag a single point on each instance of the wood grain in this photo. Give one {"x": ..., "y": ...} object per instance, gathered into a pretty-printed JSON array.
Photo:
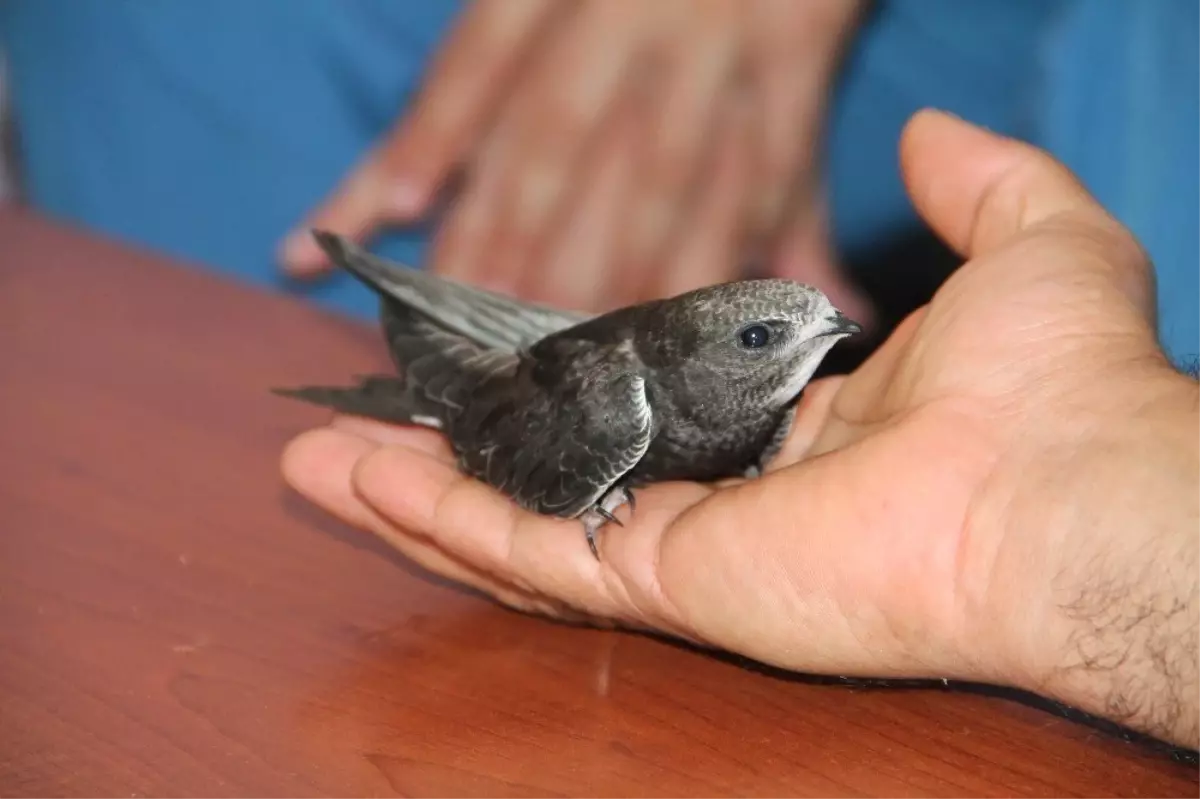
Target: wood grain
[{"x": 174, "y": 622}]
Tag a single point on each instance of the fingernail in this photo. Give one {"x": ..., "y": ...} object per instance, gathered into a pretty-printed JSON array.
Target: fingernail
[
  {"x": 299, "y": 250},
  {"x": 406, "y": 198}
]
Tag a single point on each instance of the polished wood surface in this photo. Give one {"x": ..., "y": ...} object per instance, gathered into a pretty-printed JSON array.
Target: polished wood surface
[{"x": 174, "y": 622}]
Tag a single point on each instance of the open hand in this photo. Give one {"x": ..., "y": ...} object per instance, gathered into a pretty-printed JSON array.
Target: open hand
[{"x": 925, "y": 518}]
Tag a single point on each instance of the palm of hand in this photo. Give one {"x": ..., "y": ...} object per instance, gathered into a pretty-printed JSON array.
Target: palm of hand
[{"x": 930, "y": 443}]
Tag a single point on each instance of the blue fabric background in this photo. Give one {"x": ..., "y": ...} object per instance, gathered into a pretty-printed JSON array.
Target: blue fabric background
[{"x": 207, "y": 130}]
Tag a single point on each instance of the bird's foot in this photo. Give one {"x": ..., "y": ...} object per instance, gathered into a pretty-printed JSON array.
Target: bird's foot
[{"x": 601, "y": 514}]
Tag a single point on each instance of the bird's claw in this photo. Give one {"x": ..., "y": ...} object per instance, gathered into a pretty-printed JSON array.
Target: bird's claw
[
  {"x": 609, "y": 517},
  {"x": 601, "y": 513}
]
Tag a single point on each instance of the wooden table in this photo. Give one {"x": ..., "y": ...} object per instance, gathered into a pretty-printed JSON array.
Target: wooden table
[{"x": 174, "y": 622}]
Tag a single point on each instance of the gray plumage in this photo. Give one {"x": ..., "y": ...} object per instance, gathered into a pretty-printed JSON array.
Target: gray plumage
[{"x": 568, "y": 413}]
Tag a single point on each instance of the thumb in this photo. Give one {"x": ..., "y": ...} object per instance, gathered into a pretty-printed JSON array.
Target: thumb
[{"x": 979, "y": 191}]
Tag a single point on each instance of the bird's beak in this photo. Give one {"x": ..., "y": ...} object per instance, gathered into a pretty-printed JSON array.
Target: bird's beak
[{"x": 840, "y": 323}]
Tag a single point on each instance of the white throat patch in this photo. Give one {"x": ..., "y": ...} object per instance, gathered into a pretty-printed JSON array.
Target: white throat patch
[{"x": 798, "y": 379}]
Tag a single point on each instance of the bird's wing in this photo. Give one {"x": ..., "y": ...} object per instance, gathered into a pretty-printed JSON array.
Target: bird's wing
[
  {"x": 558, "y": 450},
  {"x": 486, "y": 318},
  {"x": 439, "y": 372}
]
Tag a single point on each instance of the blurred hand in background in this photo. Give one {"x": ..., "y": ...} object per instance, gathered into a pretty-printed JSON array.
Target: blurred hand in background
[{"x": 612, "y": 151}]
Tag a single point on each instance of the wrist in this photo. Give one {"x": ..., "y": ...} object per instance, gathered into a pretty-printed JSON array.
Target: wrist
[{"x": 1108, "y": 621}]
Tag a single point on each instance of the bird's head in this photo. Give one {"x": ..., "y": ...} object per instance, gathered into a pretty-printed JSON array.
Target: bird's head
[{"x": 763, "y": 338}]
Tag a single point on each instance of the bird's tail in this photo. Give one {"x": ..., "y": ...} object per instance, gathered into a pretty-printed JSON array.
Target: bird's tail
[
  {"x": 435, "y": 334},
  {"x": 379, "y": 397},
  {"x": 438, "y": 373}
]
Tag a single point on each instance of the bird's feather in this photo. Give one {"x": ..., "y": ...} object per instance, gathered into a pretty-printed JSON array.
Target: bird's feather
[
  {"x": 557, "y": 450},
  {"x": 376, "y": 397},
  {"x": 489, "y": 319},
  {"x": 439, "y": 371}
]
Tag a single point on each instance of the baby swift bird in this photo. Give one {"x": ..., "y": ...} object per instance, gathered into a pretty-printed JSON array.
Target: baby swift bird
[{"x": 567, "y": 413}]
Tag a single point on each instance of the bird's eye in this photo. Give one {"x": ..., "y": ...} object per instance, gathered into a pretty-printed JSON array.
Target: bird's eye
[{"x": 755, "y": 336}]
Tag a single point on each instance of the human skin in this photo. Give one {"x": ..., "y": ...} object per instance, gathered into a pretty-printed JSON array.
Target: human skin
[
  {"x": 604, "y": 143},
  {"x": 1006, "y": 491}
]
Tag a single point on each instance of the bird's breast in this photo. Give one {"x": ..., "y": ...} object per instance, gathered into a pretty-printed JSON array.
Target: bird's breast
[{"x": 705, "y": 447}]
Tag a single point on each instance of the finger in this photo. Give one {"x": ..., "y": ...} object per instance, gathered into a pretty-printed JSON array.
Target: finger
[
  {"x": 697, "y": 71},
  {"x": 319, "y": 465},
  {"x": 419, "y": 438},
  {"x": 354, "y": 210},
  {"x": 468, "y": 79},
  {"x": 548, "y": 127},
  {"x": 880, "y": 378},
  {"x": 539, "y": 554},
  {"x": 793, "y": 54},
  {"x": 459, "y": 250},
  {"x": 397, "y": 179},
  {"x": 784, "y": 111},
  {"x": 812, "y": 416},
  {"x": 580, "y": 259},
  {"x": 707, "y": 248},
  {"x": 978, "y": 190}
]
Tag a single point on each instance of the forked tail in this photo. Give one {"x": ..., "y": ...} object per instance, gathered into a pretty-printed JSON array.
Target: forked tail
[{"x": 375, "y": 397}]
